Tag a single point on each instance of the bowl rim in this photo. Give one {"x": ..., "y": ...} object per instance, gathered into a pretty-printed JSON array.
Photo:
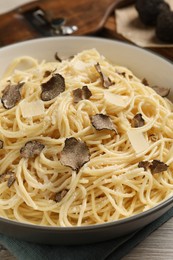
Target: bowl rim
[{"x": 88, "y": 38}]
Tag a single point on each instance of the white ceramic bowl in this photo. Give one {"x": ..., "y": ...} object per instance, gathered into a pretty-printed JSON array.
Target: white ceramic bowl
[{"x": 144, "y": 64}]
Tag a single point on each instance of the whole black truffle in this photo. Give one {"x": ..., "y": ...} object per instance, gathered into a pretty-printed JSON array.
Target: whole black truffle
[
  {"x": 164, "y": 27},
  {"x": 149, "y": 10}
]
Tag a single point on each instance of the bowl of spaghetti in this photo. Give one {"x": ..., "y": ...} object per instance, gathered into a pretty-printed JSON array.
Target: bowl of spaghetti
[{"x": 86, "y": 139}]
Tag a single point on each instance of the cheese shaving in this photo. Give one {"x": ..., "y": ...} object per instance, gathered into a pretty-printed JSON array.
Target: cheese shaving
[
  {"x": 79, "y": 65},
  {"x": 114, "y": 99},
  {"x": 137, "y": 140},
  {"x": 30, "y": 109}
]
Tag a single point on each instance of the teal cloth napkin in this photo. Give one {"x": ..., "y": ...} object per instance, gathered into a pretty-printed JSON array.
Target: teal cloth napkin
[{"x": 110, "y": 250}]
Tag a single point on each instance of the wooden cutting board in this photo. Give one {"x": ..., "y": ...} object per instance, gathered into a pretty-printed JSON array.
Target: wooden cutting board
[
  {"x": 88, "y": 15},
  {"x": 92, "y": 18},
  {"x": 109, "y": 31}
]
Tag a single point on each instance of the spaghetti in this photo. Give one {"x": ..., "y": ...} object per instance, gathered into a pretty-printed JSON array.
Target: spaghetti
[{"x": 116, "y": 180}]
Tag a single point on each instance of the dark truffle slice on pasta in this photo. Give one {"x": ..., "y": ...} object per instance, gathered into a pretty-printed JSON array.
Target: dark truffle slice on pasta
[
  {"x": 47, "y": 73},
  {"x": 31, "y": 149},
  {"x": 1, "y": 144},
  {"x": 162, "y": 91},
  {"x": 103, "y": 122},
  {"x": 144, "y": 164},
  {"x": 11, "y": 95},
  {"x": 60, "y": 59},
  {"x": 11, "y": 180},
  {"x": 123, "y": 74},
  {"x": 57, "y": 57},
  {"x": 158, "y": 166},
  {"x": 60, "y": 195},
  {"x": 8, "y": 176},
  {"x": 86, "y": 92},
  {"x": 137, "y": 120},
  {"x": 77, "y": 95},
  {"x": 53, "y": 87},
  {"x": 74, "y": 154},
  {"x": 3, "y": 176},
  {"x": 145, "y": 82},
  {"x": 80, "y": 94},
  {"x": 106, "y": 82}
]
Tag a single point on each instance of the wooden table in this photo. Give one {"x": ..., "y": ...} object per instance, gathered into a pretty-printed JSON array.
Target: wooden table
[{"x": 159, "y": 245}]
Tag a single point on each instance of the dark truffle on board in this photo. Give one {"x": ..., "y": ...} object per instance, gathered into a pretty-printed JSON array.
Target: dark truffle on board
[
  {"x": 164, "y": 27},
  {"x": 149, "y": 10}
]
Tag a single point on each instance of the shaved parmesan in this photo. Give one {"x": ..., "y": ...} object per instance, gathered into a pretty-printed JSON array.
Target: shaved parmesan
[
  {"x": 137, "y": 140},
  {"x": 30, "y": 109},
  {"x": 114, "y": 99},
  {"x": 79, "y": 65}
]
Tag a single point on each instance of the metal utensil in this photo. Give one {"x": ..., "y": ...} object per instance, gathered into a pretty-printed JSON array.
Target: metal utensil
[{"x": 46, "y": 26}]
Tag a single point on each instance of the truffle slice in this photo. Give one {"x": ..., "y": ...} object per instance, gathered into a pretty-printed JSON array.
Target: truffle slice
[
  {"x": 86, "y": 92},
  {"x": 60, "y": 195},
  {"x": 101, "y": 122},
  {"x": 53, "y": 87},
  {"x": 158, "y": 166},
  {"x": 31, "y": 148},
  {"x": 74, "y": 154},
  {"x": 106, "y": 82},
  {"x": 9, "y": 176},
  {"x": 57, "y": 57},
  {"x": 144, "y": 164},
  {"x": 137, "y": 121},
  {"x": 3, "y": 176},
  {"x": 11, "y": 95},
  {"x": 162, "y": 91},
  {"x": 80, "y": 94},
  {"x": 123, "y": 74},
  {"x": 77, "y": 95},
  {"x": 1, "y": 144},
  {"x": 11, "y": 180},
  {"x": 47, "y": 73},
  {"x": 145, "y": 82}
]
